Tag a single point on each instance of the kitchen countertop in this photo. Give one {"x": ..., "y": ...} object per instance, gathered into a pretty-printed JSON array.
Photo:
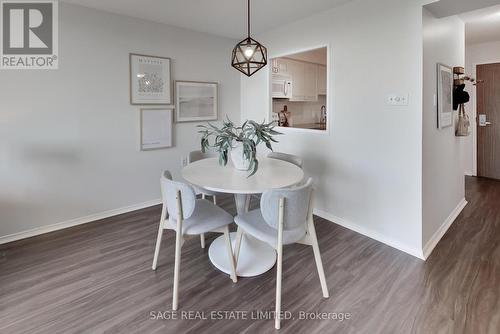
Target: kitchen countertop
[{"x": 313, "y": 126}]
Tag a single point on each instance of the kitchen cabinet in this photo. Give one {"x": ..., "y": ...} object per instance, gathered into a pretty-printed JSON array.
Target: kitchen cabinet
[
  {"x": 310, "y": 82},
  {"x": 296, "y": 69},
  {"x": 305, "y": 78},
  {"x": 280, "y": 66},
  {"x": 322, "y": 80}
]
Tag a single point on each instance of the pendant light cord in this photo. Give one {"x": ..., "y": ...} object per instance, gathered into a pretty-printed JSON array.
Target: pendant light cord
[{"x": 248, "y": 21}]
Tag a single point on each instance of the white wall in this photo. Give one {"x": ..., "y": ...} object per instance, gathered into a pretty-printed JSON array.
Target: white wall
[
  {"x": 443, "y": 175},
  {"x": 476, "y": 54},
  {"x": 69, "y": 138},
  {"x": 368, "y": 168}
]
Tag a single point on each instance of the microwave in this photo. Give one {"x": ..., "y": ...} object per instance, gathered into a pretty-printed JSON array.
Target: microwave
[{"x": 281, "y": 87}]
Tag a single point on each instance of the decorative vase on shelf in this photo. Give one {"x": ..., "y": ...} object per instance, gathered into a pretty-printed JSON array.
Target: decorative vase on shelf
[{"x": 238, "y": 158}]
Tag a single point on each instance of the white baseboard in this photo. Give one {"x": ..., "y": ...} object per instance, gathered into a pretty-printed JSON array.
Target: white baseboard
[
  {"x": 370, "y": 234},
  {"x": 436, "y": 237},
  {"x": 76, "y": 221},
  {"x": 427, "y": 250}
]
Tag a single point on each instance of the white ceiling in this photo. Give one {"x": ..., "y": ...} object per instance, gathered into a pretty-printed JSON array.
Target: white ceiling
[
  {"x": 481, "y": 17},
  {"x": 443, "y": 8},
  {"x": 317, "y": 56},
  {"x": 482, "y": 25},
  {"x": 220, "y": 17}
]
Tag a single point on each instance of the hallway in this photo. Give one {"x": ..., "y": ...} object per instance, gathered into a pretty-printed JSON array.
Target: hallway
[{"x": 461, "y": 277}]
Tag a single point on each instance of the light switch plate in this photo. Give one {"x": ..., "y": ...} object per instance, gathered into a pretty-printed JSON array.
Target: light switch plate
[{"x": 398, "y": 100}]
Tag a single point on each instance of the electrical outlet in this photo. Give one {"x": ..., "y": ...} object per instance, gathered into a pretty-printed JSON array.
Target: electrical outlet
[
  {"x": 184, "y": 162},
  {"x": 397, "y": 100}
]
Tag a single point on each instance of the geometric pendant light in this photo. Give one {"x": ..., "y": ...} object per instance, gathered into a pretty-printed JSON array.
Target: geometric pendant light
[{"x": 249, "y": 56}]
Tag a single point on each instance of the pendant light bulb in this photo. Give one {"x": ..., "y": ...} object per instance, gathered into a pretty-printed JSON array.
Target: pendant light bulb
[{"x": 249, "y": 52}]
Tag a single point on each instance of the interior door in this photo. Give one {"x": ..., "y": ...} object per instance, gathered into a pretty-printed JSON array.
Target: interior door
[{"x": 488, "y": 121}]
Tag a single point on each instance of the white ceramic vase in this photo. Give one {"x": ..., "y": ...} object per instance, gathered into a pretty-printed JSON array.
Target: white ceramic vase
[{"x": 237, "y": 157}]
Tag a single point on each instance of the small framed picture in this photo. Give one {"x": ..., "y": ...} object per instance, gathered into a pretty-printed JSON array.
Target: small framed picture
[
  {"x": 156, "y": 128},
  {"x": 444, "y": 96},
  {"x": 150, "y": 81},
  {"x": 196, "y": 101}
]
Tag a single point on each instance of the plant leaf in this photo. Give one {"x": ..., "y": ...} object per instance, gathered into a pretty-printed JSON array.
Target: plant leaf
[{"x": 255, "y": 167}]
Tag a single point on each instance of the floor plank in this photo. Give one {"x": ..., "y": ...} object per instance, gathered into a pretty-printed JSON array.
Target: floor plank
[{"x": 97, "y": 278}]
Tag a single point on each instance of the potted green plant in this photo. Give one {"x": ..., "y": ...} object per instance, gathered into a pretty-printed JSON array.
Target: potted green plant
[{"x": 238, "y": 142}]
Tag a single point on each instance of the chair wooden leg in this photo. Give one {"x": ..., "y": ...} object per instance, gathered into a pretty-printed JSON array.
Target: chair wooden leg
[
  {"x": 177, "y": 266},
  {"x": 317, "y": 258},
  {"x": 237, "y": 246},
  {"x": 202, "y": 240},
  {"x": 158, "y": 245},
  {"x": 279, "y": 262},
  {"x": 230, "y": 254},
  {"x": 159, "y": 237},
  {"x": 178, "y": 245}
]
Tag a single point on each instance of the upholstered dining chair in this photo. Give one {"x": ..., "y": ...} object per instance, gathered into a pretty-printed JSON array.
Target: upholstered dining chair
[
  {"x": 196, "y": 156},
  {"x": 189, "y": 216},
  {"x": 297, "y": 161},
  {"x": 285, "y": 217}
]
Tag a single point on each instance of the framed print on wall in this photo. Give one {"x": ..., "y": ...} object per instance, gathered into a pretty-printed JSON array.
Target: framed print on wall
[
  {"x": 444, "y": 96},
  {"x": 196, "y": 101},
  {"x": 150, "y": 81},
  {"x": 156, "y": 128}
]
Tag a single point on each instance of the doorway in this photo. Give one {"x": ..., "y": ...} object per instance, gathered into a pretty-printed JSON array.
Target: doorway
[
  {"x": 482, "y": 59},
  {"x": 488, "y": 120}
]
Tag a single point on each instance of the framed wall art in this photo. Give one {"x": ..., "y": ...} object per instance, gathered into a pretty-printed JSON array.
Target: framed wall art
[
  {"x": 156, "y": 128},
  {"x": 150, "y": 81},
  {"x": 444, "y": 96},
  {"x": 196, "y": 101}
]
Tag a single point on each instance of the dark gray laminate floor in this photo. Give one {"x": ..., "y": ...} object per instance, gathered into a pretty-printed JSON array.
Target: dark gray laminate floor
[{"x": 97, "y": 278}]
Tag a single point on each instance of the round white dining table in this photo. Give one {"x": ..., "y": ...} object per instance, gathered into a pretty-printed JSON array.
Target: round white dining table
[{"x": 256, "y": 257}]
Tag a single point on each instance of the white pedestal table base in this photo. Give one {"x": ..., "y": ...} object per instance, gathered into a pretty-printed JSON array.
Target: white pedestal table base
[{"x": 256, "y": 257}]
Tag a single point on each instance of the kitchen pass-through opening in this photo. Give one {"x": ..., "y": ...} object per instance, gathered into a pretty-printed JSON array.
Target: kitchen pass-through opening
[{"x": 299, "y": 90}]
